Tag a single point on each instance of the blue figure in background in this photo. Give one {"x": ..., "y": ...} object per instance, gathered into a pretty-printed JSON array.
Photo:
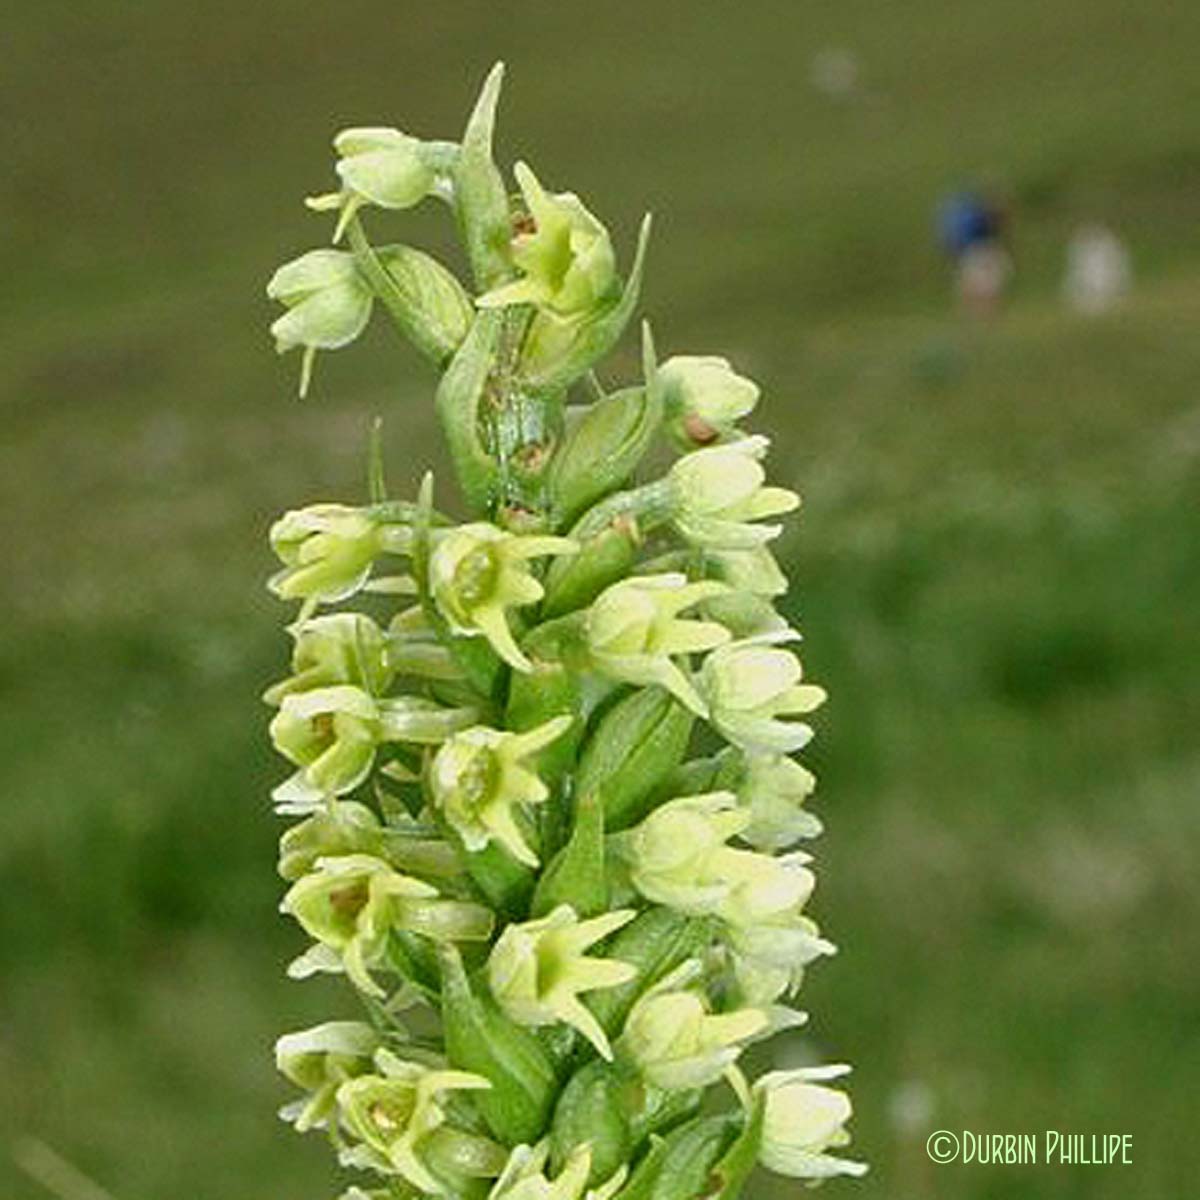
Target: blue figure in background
[{"x": 972, "y": 231}]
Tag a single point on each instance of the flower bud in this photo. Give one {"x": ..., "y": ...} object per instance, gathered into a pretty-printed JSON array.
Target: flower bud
[
  {"x": 633, "y": 631},
  {"x": 350, "y": 905},
  {"x": 328, "y": 551},
  {"x": 762, "y": 890},
  {"x": 749, "y": 685},
  {"x": 719, "y": 493},
  {"x": 773, "y": 789},
  {"x": 384, "y": 167},
  {"x": 566, "y": 259},
  {"x": 338, "y": 648},
  {"x": 767, "y": 932},
  {"x": 704, "y": 398},
  {"x": 802, "y": 1120},
  {"x": 328, "y": 302},
  {"x": 477, "y": 572},
  {"x": 397, "y": 1114},
  {"x": 481, "y": 781},
  {"x": 537, "y": 970},
  {"x": 319, "y": 1060},
  {"x": 676, "y": 1043}
]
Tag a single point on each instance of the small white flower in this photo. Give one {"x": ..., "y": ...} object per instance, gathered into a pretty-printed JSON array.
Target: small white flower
[
  {"x": 802, "y": 1120},
  {"x": 704, "y": 398},
  {"x": 749, "y": 685},
  {"x": 721, "y": 492}
]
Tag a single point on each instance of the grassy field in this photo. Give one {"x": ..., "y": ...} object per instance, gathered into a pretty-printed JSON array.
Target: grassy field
[{"x": 998, "y": 562}]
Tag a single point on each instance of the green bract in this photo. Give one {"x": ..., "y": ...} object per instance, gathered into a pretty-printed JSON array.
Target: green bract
[{"x": 513, "y": 810}]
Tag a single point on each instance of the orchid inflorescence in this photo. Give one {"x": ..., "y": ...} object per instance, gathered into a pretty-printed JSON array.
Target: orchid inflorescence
[{"x": 564, "y": 924}]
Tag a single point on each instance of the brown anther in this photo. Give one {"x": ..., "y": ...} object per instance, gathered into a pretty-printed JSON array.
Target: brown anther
[
  {"x": 699, "y": 431},
  {"x": 626, "y": 525},
  {"x": 322, "y": 725},
  {"x": 523, "y": 224},
  {"x": 348, "y": 901},
  {"x": 532, "y": 456}
]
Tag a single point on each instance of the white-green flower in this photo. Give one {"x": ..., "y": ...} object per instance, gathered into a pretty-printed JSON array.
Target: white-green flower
[
  {"x": 675, "y": 855},
  {"x": 538, "y": 969},
  {"x": 677, "y": 1043},
  {"x": 750, "y": 685},
  {"x": 319, "y": 1060},
  {"x": 396, "y": 1112},
  {"x": 328, "y": 550},
  {"x": 481, "y": 781},
  {"x": 477, "y": 572},
  {"x": 634, "y": 632},
  {"x": 338, "y": 827},
  {"x": 337, "y": 648},
  {"x": 769, "y": 936},
  {"x": 802, "y": 1121},
  {"x": 773, "y": 790},
  {"x": 566, "y": 260},
  {"x": 351, "y": 903},
  {"x": 704, "y": 398},
  {"x": 524, "y": 1176},
  {"x": 720, "y": 492},
  {"x": 328, "y": 305},
  {"x": 332, "y": 735}
]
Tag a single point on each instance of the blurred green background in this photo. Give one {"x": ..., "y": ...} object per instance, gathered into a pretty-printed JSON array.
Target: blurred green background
[{"x": 998, "y": 563}]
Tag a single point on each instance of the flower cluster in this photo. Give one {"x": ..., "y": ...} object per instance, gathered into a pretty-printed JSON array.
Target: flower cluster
[{"x": 503, "y": 815}]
